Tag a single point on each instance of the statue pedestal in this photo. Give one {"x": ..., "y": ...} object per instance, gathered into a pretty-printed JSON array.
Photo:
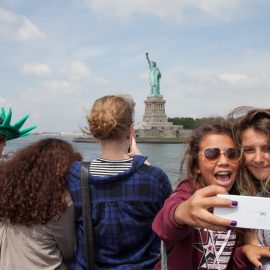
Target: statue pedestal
[
  {"x": 154, "y": 110},
  {"x": 155, "y": 126}
]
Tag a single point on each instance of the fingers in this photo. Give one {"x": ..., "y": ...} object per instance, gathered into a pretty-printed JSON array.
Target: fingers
[
  {"x": 256, "y": 253},
  {"x": 196, "y": 216},
  {"x": 195, "y": 211},
  {"x": 219, "y": 202},
  {"x": 264, "y": 251},
  {"x": 208, "y": 199},
  {"x": 213, "y": 222},
  {"x": 211, "y": 190},
  {"x": 255, "y": 261}
]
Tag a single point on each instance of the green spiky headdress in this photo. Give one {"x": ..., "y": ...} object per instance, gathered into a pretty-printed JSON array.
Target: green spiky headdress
[{"x": 13, "y": 131}]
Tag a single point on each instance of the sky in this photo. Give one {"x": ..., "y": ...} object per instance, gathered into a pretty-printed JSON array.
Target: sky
[{"x": 58, "y": 56}]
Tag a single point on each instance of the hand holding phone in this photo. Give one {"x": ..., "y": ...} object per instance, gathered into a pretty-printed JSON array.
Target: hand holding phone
[{"x": 252, "y": 212}]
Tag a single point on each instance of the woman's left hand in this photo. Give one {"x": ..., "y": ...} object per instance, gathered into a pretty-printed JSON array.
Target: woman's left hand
[{"x": 255, "y": 253}]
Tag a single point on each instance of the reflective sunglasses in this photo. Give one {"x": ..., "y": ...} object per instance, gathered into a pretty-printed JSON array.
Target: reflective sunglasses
[{"x": 213, "y": 154}]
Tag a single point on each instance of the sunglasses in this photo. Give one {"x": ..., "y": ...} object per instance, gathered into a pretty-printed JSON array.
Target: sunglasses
[{"x": 213, "y": 154}]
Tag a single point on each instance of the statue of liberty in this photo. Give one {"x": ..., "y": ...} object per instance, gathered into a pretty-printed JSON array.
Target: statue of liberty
[{"x": 154, "y": 77}]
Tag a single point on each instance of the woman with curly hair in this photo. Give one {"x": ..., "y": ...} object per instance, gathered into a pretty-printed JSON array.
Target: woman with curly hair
[{"x": 36, "y": 212}]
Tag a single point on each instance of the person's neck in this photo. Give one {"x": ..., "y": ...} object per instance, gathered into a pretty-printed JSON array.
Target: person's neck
[{"x": 115, "y": 149}]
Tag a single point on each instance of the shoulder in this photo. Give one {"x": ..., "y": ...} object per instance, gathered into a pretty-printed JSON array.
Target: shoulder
[
  {"x": 152, "y": 171},
  {"x": 75, "y": 169},
  {"x": 73, "y": 174},
  {"x": 184, "y": 187}
]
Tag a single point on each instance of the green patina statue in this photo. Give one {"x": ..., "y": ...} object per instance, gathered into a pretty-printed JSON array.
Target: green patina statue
[{"x": 154, "y": 77}]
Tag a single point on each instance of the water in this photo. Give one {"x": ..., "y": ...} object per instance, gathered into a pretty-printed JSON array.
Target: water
[{"x": 166, "y": 156}]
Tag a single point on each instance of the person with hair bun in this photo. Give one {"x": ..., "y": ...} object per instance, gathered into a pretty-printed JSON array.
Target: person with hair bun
[
  {"x": 126, "y": 192},
  {"x": 37, "y": 228}
]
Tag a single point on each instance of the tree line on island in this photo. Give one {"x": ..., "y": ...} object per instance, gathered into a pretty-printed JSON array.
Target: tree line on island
[{"x": 191, "y": 123}]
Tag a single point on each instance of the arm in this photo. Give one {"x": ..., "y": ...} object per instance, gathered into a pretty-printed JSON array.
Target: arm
[
  {"x": 239, "y": 260},
  {"x": 247, "y": 256},
  {"x": 195, "y": 211},
  {"x": 164, "y": 224},
  {"x": 251, "y": 238},
  {"x": 147, "y": 58},
  {"x": 134, "y": 150},
  {"x": 256, "y": 253},
  {"x": 63, "y": 231},
  {"x": 183, "y": 211}
]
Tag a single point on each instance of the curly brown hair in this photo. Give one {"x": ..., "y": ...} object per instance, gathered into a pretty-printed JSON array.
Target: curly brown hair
[
  {"x": 111, "y": 117},
  {"x": 2, "y": 139},
  {"x": 32, "y": 184}
]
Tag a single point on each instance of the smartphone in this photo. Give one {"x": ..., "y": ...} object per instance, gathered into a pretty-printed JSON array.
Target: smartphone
[
  {"x": 251, "y": 212},
  {"x": 130, "y": 140}
]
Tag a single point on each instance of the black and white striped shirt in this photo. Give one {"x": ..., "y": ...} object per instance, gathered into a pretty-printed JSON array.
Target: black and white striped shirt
[{"x": 104, "y": 167}]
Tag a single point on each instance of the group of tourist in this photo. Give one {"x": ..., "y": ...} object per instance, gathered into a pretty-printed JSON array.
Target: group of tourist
[{"x": 134, "y": 210}]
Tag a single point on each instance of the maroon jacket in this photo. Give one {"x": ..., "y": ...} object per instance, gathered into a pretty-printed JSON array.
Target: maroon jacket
[{"x": 191, "y": 248}]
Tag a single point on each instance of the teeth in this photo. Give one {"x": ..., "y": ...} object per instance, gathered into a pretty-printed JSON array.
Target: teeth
[{"x": 223, "y": 173}]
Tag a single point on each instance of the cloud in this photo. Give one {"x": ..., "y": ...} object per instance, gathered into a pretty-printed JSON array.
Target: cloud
[
  {"x": 52, "y": 92},
  {"x": 36, "y": 69},
  {"x": 233, "y": 78},
  {"x": 78, "y": 71},
  {"x": 245, "y": 81},
  {"x": 3, "y": 102},
  {"x": 27, "y": 31},
  {"x": 18, "y": 27},
  {"x": 6, "y": 16},
  {"x": 170, "y": 9},
  {"x": 210, "y": 93}
]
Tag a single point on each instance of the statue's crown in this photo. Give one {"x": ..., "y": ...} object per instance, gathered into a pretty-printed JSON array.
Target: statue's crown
[{"x": 12, "y": 131}]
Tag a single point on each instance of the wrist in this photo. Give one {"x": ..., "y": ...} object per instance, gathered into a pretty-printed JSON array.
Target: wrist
[{"x": 178, "y": 214}]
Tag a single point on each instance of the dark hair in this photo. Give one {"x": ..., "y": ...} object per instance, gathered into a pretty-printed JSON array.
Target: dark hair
[
  {"x": 32, "y": 186},
  {"x": 191, "y": 160},
  {"x": 197, "y": 136},
  {"x": 111, "y": 117},
  {"x": 244, "y": 118},
  {"x": 2, "y": 139}
]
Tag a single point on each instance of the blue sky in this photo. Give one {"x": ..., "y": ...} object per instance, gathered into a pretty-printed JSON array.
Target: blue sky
[{"x": 57, "y": 57}]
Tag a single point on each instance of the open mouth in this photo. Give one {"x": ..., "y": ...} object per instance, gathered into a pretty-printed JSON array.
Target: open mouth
[{"x": 223, "y": 176}]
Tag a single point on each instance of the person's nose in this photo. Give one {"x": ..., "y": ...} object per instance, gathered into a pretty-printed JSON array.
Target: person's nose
[
  {"x": 258, "y": 156},
  {"x": 223, "y": 160}
]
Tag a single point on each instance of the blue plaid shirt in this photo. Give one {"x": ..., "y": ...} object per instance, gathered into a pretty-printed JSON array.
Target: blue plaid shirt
[{"x": 123, "y": 209}]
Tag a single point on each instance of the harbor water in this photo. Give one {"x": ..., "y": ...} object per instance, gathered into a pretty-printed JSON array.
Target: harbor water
[{"x": 166, "y": 156}]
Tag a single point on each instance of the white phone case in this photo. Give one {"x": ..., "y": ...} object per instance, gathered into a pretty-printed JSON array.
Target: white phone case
[{"x": 252, "y": 212}]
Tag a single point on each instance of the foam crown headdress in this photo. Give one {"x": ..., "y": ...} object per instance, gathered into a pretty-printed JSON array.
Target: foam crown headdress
[{"x": 9, "y": 131}]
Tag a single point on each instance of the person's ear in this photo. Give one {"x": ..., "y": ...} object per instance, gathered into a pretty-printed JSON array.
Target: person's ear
[
  {"x": 130, "y": 134},
  {"x": 197, "y": 171}
]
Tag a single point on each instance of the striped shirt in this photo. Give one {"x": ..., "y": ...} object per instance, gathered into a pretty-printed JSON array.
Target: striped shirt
[
  {"x": 123, "y": 209},
  {"x": 104, "y": 167}
]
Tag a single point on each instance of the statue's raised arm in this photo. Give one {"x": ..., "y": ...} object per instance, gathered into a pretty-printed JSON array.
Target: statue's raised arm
[{"x": 147, "y": 58}]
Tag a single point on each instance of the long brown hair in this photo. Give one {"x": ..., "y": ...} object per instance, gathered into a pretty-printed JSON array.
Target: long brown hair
[
  {"x": 244, "y": 118},
  {"x": 191, "y": 160},
  {"x": 32, "y": 183}
]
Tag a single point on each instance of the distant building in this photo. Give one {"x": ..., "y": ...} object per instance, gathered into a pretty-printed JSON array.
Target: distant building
[{"x": 155, "y": 123}]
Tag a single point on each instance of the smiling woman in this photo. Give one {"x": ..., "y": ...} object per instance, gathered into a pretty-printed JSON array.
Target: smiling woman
[
  {"x": 191, "y": 233},
  {"x": 253, "y": 134}
]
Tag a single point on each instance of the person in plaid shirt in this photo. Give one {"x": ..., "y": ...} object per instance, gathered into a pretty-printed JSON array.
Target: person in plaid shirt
[{"x": 126, "y": 193}]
